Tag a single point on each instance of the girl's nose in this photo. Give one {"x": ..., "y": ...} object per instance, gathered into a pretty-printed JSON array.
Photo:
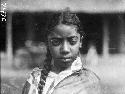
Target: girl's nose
[{"x": 65, "y": 48}]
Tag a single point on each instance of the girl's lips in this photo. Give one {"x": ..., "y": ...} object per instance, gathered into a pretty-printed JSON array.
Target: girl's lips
[{"x": 66, "y": 59}]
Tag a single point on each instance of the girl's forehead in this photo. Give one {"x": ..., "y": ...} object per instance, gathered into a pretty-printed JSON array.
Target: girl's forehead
[{"x": 64, "y": 31}]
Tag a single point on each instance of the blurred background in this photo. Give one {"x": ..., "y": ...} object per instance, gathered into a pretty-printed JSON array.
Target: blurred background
[{"x": 22, "y": 44}]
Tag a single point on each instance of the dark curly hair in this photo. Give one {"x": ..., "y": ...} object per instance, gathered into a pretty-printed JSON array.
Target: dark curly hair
[{"x": 64, "y": 17}]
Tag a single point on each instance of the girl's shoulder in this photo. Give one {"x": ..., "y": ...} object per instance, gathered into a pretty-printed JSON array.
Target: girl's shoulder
[
  {"x": 36, "y": 72},
  {"x": 34, "y": 75},
  {"x": 32, "y": 81},
  {"x": 88, "y": 75}
]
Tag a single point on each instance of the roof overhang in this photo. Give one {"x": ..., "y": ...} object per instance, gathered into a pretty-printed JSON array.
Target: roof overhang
[{"x": 89, "y": 6}]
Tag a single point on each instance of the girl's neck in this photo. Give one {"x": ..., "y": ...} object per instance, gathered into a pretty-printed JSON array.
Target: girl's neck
[{"x": 57, "y": 68}]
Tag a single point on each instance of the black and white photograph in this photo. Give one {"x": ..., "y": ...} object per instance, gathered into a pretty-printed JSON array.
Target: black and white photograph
[{"x": 62, "y": 47}]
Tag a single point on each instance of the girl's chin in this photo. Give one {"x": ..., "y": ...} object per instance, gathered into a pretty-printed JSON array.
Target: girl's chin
[{"x": 65, "y": 63}]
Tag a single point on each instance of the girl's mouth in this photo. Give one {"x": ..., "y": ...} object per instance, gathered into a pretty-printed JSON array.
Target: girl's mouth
[{"x": 65, "y": 59}]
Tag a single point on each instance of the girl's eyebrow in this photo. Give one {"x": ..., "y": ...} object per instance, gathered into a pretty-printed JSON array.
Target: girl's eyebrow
[
  {"x": 72, "y": 37},
  {"x": 56, "y": 38}
]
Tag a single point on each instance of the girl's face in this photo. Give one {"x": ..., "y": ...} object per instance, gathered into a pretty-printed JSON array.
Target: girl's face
[{"x": 64, "y": 42}]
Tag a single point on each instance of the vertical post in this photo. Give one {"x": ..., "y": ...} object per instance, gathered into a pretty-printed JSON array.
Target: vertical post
[
  {"x": 9, "y": 48},
  {"x": 106, "y": 38},
  {"x": 122, "y": 33}
]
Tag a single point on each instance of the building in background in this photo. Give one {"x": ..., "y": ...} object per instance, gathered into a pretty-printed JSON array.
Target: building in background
[{"x": 103, "y": 22}]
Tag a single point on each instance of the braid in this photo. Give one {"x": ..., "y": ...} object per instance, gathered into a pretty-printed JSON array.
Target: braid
[
  {"x": 45, "y": 71},
  {"x": 47, "y": 65}
]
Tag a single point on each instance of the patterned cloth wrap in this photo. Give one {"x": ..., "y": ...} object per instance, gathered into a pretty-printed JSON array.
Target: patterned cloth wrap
[
  {"x": 79, "y": 81},
  {"x": 35, "y": 82}
]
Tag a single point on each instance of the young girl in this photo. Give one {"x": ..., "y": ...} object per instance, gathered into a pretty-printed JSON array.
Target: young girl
[{"x": 63, "y": 71}]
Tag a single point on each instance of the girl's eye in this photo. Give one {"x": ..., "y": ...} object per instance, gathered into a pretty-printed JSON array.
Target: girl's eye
[
  {"x": 72, "y": 41},
  {"x": 55, "y": 42}
]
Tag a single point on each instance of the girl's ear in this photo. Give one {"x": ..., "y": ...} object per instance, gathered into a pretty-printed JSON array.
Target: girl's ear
[
  {"x": 80, "y": 45},
  {"x": 81, "y": 38},
  {"x": 81, "y": 41}
]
